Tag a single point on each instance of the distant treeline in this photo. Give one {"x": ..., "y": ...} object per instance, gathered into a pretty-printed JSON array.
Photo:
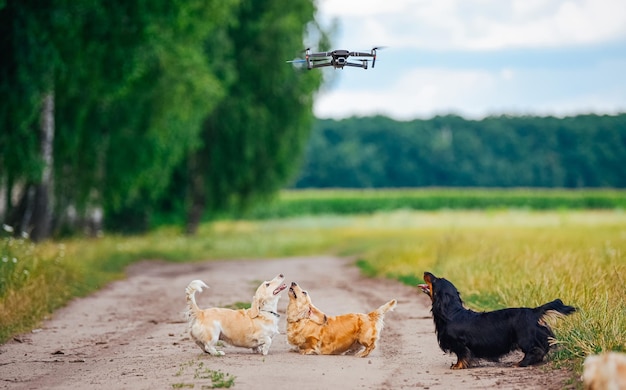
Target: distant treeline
[{"x": 504, "y": 151}]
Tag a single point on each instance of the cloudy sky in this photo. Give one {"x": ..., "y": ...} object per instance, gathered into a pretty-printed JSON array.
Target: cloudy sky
[{"x": 477, "y": 58}]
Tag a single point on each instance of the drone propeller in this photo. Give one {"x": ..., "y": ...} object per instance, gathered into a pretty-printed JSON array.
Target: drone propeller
[
  {"x": 374, "y": 53},
  {"x": 296, "y": 61}
]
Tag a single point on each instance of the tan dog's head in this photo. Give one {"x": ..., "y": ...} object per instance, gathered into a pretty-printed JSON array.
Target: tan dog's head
[
  {"x": 267, "y": 295},
  {"x": 300, "y": 306}
]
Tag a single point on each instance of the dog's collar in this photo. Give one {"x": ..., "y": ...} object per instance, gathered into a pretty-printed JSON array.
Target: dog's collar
[{"x": 273, "y": 312}]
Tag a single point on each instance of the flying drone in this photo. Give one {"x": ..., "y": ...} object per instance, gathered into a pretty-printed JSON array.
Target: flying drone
[{"x": 336, "y": 58}]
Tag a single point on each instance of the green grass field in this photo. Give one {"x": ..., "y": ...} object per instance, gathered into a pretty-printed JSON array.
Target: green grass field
[
  {"x": 344, "y": 201},
  {"x": 496, "y": 258}
]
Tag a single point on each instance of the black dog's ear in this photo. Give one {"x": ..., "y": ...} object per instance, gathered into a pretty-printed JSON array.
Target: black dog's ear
[
  {"x": 441, "y": 304},
  {"x": 446, "y": 298},
  {"x": 429, "y": 278}
]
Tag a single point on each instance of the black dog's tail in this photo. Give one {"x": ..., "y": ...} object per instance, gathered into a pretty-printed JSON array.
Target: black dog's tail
[{"x": 555, "y": 307}]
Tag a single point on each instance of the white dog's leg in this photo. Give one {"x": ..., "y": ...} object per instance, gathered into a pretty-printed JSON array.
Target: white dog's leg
[
  {"x": 210, "y": 348},
  {"x": 209, "y": 345},
  {"x": 265, "y": 348}
]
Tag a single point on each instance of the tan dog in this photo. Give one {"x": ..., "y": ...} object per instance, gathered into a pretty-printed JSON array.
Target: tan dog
[
  {"x": 605, "y": 372},
  {"x": 249, "y": 328},
  {"x": 314, "y": 333}
]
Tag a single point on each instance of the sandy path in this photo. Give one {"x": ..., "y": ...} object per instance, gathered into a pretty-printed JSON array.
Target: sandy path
[{"x": 131, "y": 335}]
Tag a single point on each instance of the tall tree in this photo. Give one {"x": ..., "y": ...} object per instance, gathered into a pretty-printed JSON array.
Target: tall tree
[
  {"x": 130, "y": 85},
  {"x": 252, "y": 141},
  {"x": 154, "y": 86}
]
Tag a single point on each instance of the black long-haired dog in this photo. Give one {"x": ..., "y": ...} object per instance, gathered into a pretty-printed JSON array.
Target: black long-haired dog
[{"x": 489, "y": 335}]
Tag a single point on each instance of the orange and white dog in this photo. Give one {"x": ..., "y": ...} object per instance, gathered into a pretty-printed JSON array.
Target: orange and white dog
[
  {"x": 249, "y": 328},
  {"x": 314, "y": 333}
]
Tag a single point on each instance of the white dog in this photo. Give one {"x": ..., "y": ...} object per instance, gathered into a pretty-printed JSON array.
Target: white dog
[
  {"x": 249, "y": 328},
  {"x": 606, "y": 371}
]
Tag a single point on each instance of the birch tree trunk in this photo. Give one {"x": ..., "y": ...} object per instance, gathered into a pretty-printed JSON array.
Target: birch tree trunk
[{"x": 42, "y": 214}]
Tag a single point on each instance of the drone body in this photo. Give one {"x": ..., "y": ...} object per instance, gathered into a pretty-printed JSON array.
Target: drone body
[{"x": 337, "y": 59}]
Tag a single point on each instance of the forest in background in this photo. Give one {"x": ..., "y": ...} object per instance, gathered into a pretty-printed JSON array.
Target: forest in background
[{"x": 584, "y": 151}]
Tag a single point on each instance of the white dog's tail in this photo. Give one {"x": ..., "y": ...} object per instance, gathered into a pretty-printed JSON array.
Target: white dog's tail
[
  {"x": 191, "y": 289},
  {"x": 378, "y": 315}
]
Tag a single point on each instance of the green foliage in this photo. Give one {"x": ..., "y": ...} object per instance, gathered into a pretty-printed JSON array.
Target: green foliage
[
  {"x": 291, "y": 203},
  {"x": 238, "y": 305},
  {"x": 13, "y": 273},
  {"x": 504, "y": 151},
  {"x": 365, "y": 268},
  {"x": 34, "y": 281},
  {"x": 218, "y": 379},
  {"x": 142, "y": 87}
]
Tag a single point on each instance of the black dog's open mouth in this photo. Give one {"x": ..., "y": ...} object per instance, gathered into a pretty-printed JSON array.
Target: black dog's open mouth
[{"x": 425, "y": 288}]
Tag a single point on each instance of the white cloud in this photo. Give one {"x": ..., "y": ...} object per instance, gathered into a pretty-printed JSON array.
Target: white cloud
[
  {"x": 477, "y": 24},
  {"x": 361, "y": 8},
  {"x": 419, "y": 92},
  {"x": 507, "y": 73}
]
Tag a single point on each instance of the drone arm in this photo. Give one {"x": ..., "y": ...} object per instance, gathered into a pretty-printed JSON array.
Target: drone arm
[
  {"x": 363, "y": 65},
  {"x": 322, "y": 65},
  {"x": 322, "y": 54}
]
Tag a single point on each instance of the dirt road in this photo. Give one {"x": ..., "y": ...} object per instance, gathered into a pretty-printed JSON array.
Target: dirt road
[{"x": 131, "y": 335}]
